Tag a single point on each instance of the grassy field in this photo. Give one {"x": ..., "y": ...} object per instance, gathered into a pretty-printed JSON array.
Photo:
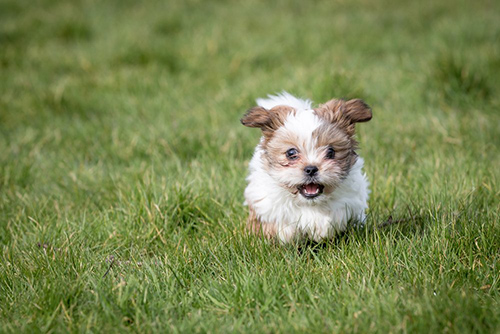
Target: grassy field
[{"x": 123, "y": 164}]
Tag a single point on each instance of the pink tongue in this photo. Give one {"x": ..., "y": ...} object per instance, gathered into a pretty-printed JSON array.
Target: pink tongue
[{"x": 311, "y": 188}]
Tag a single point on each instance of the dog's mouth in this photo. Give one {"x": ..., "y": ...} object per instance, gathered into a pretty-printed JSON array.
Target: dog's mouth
[{"x": 311, "y": 190}]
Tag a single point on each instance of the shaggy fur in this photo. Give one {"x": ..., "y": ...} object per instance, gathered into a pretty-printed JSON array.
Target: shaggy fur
[{"x": 285, "y": 200}]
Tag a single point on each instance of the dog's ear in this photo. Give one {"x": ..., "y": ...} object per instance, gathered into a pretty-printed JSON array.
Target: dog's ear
[
  {"x": 345, "y": 113},
  {"x": 353, "y": 111},
  {"x": 267, "y": 120},
  {"x": 358, "y": 111},
  {"x": 256, "y": 117}
]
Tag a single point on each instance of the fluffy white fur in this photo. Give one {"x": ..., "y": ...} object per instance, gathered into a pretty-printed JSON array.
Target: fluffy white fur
[{"x": 295, "y": 216}]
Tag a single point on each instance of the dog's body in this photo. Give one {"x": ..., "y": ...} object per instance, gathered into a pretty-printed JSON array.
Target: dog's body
[{"x": 305, "y": 178}]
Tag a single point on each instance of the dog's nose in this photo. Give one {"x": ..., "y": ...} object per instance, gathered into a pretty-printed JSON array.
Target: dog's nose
[{"x": 311, "y": 170}]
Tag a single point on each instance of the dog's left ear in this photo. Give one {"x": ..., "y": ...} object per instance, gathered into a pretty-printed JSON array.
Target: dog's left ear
[
  {"x": 357, "y": 111},
  {"x": 354, "y": 111}
]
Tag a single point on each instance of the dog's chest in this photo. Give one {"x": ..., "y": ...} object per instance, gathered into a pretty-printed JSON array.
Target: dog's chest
[{"x": 316, "y": 221}]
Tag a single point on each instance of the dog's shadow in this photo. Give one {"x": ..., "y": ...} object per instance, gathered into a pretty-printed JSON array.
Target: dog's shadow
[
  {"x": 404, "y": 226},
  {"x": 315, "y": 247}
]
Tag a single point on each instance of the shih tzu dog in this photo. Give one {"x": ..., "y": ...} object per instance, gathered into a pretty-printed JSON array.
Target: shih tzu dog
[{"x": 305, "y": 179}]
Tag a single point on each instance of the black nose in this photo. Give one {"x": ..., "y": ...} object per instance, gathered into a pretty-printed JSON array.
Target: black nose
[{"x": 311, "y": 170}]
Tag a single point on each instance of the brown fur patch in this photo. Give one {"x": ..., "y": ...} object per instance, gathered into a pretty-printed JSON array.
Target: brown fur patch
[
  {"x": 358, "y": 111},
  {"x": 267, "y": 120},
  {"x": 255, "y": 226},
  {"x": 274, "y": 150},
  {"x": 345, "y": 113},
  {"x": 339, "y": 133},
  {"x": 330, "y": 135}
]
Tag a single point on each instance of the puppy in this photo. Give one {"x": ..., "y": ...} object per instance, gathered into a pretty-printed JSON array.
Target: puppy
[{"x": 305, "y": 179}]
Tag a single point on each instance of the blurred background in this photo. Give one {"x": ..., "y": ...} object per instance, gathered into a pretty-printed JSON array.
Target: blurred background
[
  {"x": 132, "y": 76},
  {"x": 94, "y": 92}
]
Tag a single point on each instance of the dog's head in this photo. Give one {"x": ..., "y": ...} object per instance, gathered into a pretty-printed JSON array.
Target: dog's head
[{"x": 309, "y": 152}]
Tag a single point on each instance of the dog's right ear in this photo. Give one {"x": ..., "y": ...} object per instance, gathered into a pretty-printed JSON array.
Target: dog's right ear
[
  {"x": 267, "y": 120},
  {"x": 256, "y": 117}
]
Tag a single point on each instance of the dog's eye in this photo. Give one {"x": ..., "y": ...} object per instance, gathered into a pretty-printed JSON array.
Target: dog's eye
[
  {"x": 292, "y": 154},
  {"x": 330, "y": 153}
]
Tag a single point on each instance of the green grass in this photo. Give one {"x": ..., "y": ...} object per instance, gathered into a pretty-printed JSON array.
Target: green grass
[{"x": 123, "y": 164}]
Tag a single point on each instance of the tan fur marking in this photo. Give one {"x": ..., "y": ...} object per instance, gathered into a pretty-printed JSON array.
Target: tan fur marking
[
  {"x": 339, "y": 133},
  {"x": 358, "y": 111},
  {"x": 267, "y": 120},
  {"x": 255, "y": 226},
  {"x": 255, "y": 117},
  {"x": 345, "y": 113},
  {"x": 275, "y": 149},
  {"x": 329, "y": 135}
]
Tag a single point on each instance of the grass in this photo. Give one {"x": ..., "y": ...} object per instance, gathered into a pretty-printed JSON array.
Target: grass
[{"x": 123, "y": 164}]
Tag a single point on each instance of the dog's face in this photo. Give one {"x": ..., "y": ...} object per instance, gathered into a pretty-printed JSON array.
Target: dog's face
[{"x": 309, "y": 152}]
